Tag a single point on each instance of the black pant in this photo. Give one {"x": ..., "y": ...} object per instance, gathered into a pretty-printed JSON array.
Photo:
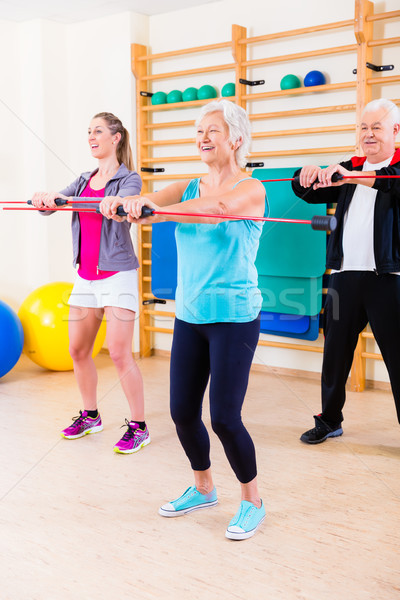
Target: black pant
[
  {"x": 224, "y": 351},
  {"x": 354, "y": 299}
]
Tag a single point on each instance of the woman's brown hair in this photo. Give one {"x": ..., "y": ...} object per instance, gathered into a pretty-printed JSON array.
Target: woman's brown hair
[{"x": 124, "y": 151}]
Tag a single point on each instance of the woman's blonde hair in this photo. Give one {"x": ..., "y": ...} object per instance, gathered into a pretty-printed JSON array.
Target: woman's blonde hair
[{"x": 124, "y": 151}]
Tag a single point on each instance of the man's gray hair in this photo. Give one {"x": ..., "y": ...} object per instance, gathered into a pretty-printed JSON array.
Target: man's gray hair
[{"x": 390, "y": 107}]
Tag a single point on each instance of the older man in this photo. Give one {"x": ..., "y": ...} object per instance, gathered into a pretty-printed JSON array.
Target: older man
[{"x": 364, "y": 255}]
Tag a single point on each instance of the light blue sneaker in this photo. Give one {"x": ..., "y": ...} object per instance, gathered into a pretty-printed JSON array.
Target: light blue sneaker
[
  {"x": 246, "y": 521},
  {"x": 189, "y": 501}
]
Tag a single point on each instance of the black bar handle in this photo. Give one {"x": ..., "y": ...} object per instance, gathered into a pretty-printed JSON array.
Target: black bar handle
[
  {"x": 58, "y": 202},
  {"x": 120, "y": 211},
  {"x": 254, "y": 164},
  {"x": 146, "y": 211},
  {"x": 323, "y": 223},
  {"x": 335, "y": 177}
]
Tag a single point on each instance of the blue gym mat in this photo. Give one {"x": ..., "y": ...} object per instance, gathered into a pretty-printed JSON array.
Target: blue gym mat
[
  {"x": 284, "y": 323},
  {"x": 310, "y": 334},
  {"x": 163, "y": 261}
]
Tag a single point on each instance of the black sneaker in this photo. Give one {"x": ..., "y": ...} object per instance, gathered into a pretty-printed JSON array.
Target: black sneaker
[{"x": 320, "y": 432}]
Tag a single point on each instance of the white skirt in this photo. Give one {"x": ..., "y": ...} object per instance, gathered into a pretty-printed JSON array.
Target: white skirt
[{"x": 119, "y": 290}]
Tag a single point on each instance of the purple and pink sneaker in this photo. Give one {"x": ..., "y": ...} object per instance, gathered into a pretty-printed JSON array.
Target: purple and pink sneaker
[
  {"x": 82, "y": 425},
  {"x": 133, "y": 439}
]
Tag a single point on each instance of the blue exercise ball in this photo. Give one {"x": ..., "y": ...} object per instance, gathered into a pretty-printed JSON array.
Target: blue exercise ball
[
  {"x": 11, "y": 338},
  {"x": 314, "y": 78}
]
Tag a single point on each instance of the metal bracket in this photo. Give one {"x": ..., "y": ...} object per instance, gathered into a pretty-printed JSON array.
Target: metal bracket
[
  {"x": 248, "y": 82},
  {"x": 154, "y": 301},
  {"x": 254, "y": 165},
  {"x": 376, "y": 67},
  {"x": 147, "y": 94},
  {"x": 152, "y": 170}
]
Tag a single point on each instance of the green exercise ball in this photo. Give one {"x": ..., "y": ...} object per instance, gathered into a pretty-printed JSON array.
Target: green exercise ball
[
  {"x": 207, "y": 91},
  {"x": 174, "y": 96},
  {"x": 289, "y": 82},
  {"x": 159, "y": 98},
  {"x": 189, "y": 94},
  {"x": 229, "y": 89}
]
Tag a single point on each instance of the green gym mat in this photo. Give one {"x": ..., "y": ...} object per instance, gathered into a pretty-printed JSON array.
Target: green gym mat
[
  {"x": 291, "y": 295},
  {"x": 289, "y": 249}
]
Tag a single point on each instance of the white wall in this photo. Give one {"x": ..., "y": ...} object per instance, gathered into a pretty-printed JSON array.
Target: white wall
[{"x": 55, "y": 77}]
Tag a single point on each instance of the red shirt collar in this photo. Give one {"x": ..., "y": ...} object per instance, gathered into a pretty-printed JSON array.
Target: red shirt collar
[{"x": 358, "y": 161}]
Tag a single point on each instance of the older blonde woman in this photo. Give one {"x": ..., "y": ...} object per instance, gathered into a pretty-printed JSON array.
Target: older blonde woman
[{"x": 217, "y": 308}]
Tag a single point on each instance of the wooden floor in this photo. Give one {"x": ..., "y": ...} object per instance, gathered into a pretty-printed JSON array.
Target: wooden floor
[{"x": 80, "y": 522}]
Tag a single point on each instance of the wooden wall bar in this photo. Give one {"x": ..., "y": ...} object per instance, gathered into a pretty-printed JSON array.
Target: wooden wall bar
[{"x": 361, "y": 87}]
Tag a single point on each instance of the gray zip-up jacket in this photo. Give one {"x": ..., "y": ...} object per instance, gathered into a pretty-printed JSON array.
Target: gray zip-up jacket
[{"x": 116, "y": 249}]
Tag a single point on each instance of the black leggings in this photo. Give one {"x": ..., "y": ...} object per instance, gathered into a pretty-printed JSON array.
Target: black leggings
[{"x": 225, "y": 352}]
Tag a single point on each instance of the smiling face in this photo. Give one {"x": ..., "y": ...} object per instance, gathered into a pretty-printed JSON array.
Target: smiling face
[
  {"x": 378, "y": 134},
  {"x": 212, "y": 139},
  {"x": 101, "y": 141}
]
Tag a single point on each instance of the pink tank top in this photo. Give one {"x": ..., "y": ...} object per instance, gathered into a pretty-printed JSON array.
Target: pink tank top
[{"x": 90, "y": 240}]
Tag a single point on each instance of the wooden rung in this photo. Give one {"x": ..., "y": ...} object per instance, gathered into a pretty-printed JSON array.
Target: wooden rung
[
  {"x": 386, "y": 42},
  {"x": 367, "y": 334},
  {"x": 146, "y": 228},
  {"x": 290, "y": 346},
  {"x": 146, "y": 262},
  {"x": 294, "y": 32},
  {"x": 213, "y": 69},
  {"x": 305, "y": 131},
  {"x": 259, "y": 134},
  {"x": 302, "y": 151},
  {"x": 170, "y": 124},
  {"x": 170, "y": 142},
  {"x": 386, "y": 15},
  {"x": 383, "y": 80},
  {"x": 147, "y": 295},
  {"x": 168, "y": 159},
  {"x": 191, "y": 104},
  {"x": 252, "y": 117},
  {"x": 158, "y": 329},
  {"x": 328, "y": 87},
  {"x": 206, "y": 48},
  {"x": 146, "y": 279},
  {"x": 146, "y": 245},
  {"x": 299, "y": 55},
  {"x": 302, "y": 111},
  {"x": 158, "y": 313},
  {"x": 171, "y": 177},
  {"x": 270, "y": 153},
  {"x": 371, "y": 355}
]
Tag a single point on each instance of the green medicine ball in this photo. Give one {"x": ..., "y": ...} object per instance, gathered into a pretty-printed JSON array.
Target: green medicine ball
[
  {"x": 174, "y": 96},
  {"x": 207, "y": 91},
  {"x": 190, "y": 94},
  {"x": 289, "y": 82},
  {"x": 229, "y": 89},
  {"x": 159, "y": 98}
]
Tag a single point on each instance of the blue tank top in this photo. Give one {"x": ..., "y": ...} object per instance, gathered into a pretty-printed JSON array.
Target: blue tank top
[{"x": 217, "y": 277}]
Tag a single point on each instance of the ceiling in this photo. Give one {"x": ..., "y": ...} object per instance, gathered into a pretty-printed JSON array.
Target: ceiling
[{"x": 71, "y": 11}]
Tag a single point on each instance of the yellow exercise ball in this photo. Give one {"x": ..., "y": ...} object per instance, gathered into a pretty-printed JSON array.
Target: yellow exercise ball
[{"x": 44, "y": 317}]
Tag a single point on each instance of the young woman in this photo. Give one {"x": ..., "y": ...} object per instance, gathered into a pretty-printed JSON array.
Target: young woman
[{"x": 106, "y": 282}]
